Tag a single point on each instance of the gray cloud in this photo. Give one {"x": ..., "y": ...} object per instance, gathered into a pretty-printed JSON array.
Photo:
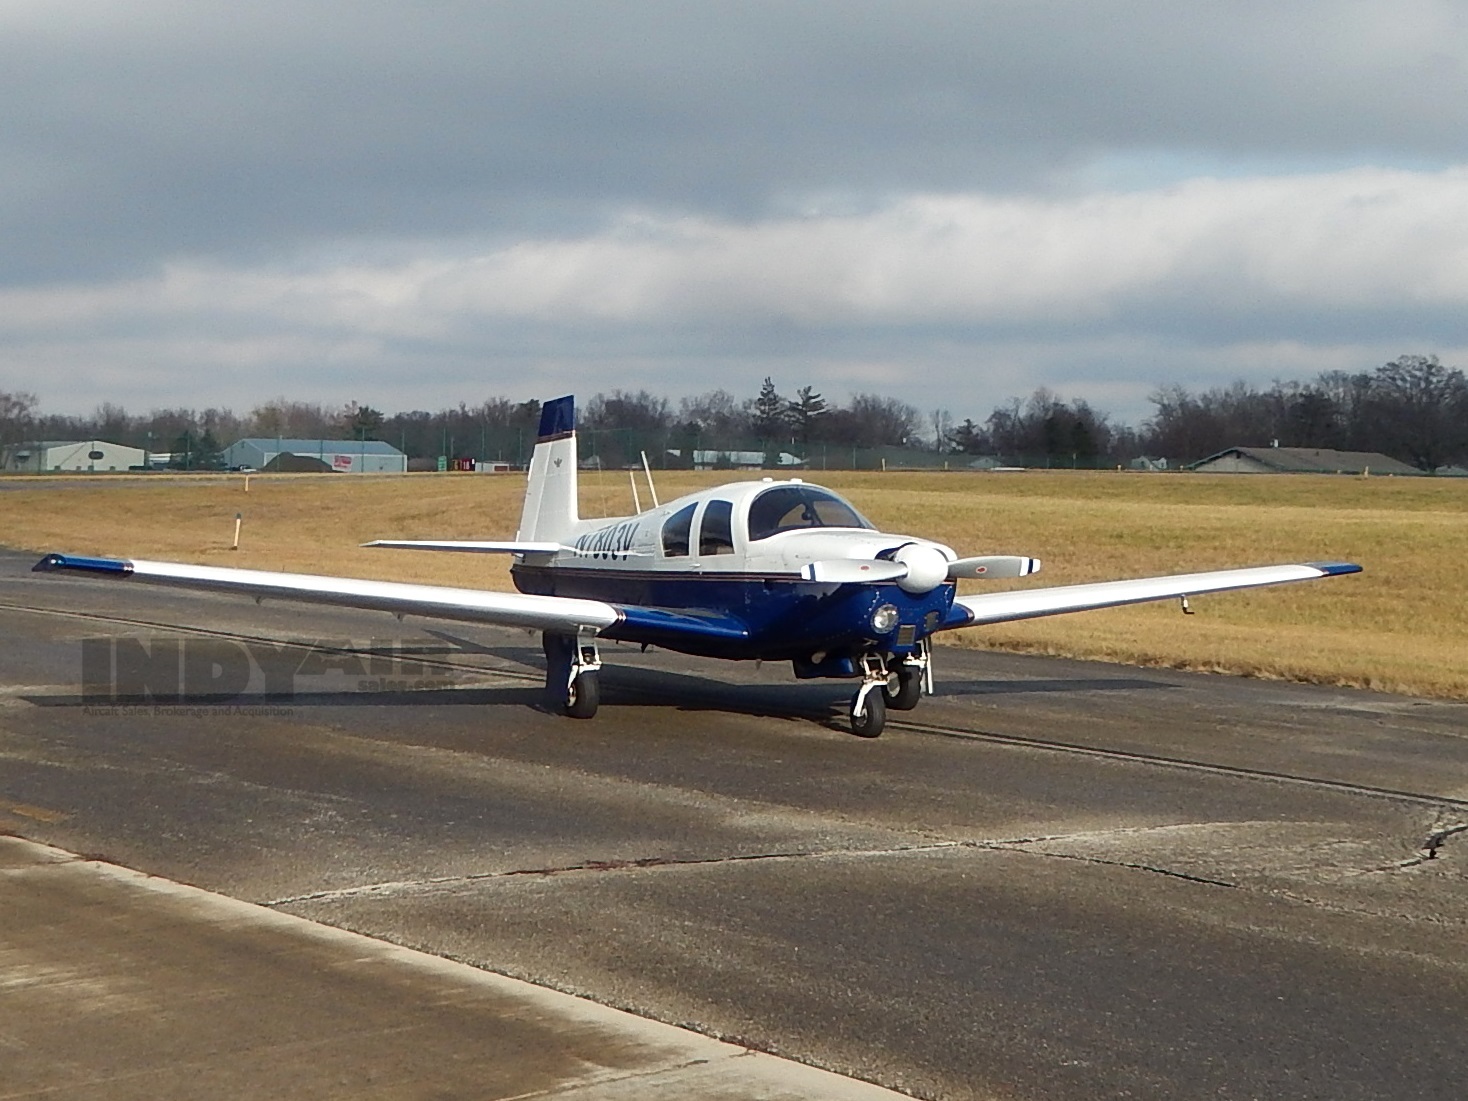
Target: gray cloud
[{"x": 364, "y": 189}]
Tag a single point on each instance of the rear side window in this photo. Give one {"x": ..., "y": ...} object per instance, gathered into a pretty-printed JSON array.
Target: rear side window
[
  {"x": 716, "y": 532},
  {"x": 675, "y": 532}
]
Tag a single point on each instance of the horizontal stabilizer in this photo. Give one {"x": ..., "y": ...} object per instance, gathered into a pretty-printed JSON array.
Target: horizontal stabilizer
[
  {"x": 467, "y": 546},
  {"x": 994, "y": 567},
  {"x": 850, "y": 571}
]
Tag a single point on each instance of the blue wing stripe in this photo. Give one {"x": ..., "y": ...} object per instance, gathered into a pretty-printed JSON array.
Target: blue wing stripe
[
  {"x": 53, "y": 562},
  {"x": 1335, "y": 569}
]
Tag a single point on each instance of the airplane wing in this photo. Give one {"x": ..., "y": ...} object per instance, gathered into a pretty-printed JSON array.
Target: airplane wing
[
  {"x": 1033, "y": 603},
  {"x": 543, "y": 613}
]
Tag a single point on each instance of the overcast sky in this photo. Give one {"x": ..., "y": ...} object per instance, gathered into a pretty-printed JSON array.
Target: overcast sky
[{"x": 412, "y": 204}]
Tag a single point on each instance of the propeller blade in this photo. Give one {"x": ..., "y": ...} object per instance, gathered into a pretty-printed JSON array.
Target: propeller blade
[
  {"x": 994, "y": 566},
  {"x": 848, "y": 571}
]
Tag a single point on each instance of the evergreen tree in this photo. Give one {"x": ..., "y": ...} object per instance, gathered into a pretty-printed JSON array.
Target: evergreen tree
[
  {"x": 969, "y": 438},
  {"x": 805, "y": 412},
  {"x": 769, "y": 421},
  {"x": 362, "y": 422}
]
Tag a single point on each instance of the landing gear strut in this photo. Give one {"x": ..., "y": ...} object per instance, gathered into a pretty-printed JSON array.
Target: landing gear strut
[
  {"x": 907, "y": 681},
  {"x": 886, "y": 683},
  {"x": 571, "y": 681},
  {"x": 868, "y": 706}
]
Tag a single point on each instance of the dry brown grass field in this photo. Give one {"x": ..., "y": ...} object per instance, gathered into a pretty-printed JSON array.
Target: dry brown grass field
[{"x": 1400, "y": 626}]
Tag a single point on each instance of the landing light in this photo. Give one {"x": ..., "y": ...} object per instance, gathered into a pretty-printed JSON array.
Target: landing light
[{"x": 884, "y": 618}]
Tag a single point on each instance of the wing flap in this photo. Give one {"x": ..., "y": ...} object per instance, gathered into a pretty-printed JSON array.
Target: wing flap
[
  {"x": 1033, "y": 603},
  {"x": 544, "y": 613}
]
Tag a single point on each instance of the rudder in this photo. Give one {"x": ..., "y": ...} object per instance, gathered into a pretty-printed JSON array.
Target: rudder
[{"x": 550, "y": 511}]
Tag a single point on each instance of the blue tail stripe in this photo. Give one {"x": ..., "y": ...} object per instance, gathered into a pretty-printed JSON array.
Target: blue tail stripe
[{"x": 557, "y": 418}]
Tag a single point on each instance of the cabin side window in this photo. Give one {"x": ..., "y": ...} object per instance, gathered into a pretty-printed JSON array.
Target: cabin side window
[
  {"x": 675, "y": 533},
  {"x": 716, "y": 532}
]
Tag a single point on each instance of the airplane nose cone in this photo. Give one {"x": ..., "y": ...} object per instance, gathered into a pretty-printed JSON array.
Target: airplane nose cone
[{"x": 926, "y": 568}]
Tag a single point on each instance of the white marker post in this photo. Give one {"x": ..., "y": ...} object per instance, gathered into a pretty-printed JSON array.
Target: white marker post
[{"x": 238, "y": 516}]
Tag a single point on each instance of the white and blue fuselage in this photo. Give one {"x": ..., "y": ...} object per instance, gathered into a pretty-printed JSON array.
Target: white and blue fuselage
[{"x": 762, "y": 569}]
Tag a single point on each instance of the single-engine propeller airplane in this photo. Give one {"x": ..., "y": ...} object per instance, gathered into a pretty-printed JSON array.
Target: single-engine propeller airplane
[{"x": 771, "y": 570}]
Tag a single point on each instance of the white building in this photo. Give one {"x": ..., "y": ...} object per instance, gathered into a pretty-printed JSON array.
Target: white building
[
  {"x": 345, "y": 456},
  {"x": 83, "y": 456},
  {"x": 737, "y": 460}
]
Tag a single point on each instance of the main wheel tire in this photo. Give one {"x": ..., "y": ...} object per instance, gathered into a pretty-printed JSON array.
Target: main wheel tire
[
  {"x": 585, "y": 695},
  {"x": 872, "y": 718},
  {"x": 909, "y": 690}
]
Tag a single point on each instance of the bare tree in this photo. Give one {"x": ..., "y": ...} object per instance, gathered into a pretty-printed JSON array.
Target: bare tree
[
  {"x": 295, "y": 419},
  {"x": 639, "y": 412},
  {"x": 870, "y": 420},
  {"x": 17, "y": 417},
  {"x": 716, "y": 419},
  {"x": 942, "y": 429},
  {"x": 1418, "y": 406}
]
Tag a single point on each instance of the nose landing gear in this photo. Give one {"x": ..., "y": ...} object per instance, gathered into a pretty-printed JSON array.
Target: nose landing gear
[
  {"x": 868, "y": 711},
  {"x": 889, "y": 682}
]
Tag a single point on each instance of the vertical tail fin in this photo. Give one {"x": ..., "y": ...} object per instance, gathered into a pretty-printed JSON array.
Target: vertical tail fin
[{"x": 550, "y": 497}]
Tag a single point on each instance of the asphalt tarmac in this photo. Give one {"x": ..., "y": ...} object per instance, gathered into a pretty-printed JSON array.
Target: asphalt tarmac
[{"x": 1052, "y": 880}]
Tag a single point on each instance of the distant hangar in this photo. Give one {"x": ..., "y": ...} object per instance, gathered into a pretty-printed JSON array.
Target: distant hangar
[
  {"x": 1300, "y": 460},
  {"x": 77, "y": 456},
  {"x": 343, "y": 456}
]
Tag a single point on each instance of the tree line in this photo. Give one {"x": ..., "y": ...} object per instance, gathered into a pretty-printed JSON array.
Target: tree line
[{"x": 1414, "y": 409}]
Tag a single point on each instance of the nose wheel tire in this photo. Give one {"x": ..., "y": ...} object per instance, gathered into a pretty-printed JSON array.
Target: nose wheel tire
[
  {"x": 907, "y": 693},
  {"x": 872, "y": 716}
]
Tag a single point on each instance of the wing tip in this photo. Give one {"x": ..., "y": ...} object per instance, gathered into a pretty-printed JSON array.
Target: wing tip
[
  {"x": 55, "y": 563},
  {"x": 1334, "y": 569}
]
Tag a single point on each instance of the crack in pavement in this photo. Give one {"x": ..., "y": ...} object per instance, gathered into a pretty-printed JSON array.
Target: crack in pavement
[
  {"x": 394, "y": 886},
  {"x": 1019, "y": 847},
  {"x": 1015, "y": 845}
]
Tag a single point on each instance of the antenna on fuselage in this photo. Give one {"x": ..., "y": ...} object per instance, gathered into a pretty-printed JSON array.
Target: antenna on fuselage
[
  {"x": 652, "y": 489},
  {"x": 636, "y": 502}
]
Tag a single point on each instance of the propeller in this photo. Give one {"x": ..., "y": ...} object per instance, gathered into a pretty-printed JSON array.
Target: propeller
[
  {"x": 994, "y": 566},
  {"x": 917, "y": 568},
  {"x": 847, "y": 571}
]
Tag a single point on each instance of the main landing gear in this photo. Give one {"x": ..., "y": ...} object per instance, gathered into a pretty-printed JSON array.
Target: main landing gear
[
  {"x": 888, "y": 682},
  {"x": 571, "y": 681}
]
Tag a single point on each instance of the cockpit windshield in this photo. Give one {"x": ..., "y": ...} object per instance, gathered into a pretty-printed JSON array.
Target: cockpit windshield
[{"x": 791, "y": 507}]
